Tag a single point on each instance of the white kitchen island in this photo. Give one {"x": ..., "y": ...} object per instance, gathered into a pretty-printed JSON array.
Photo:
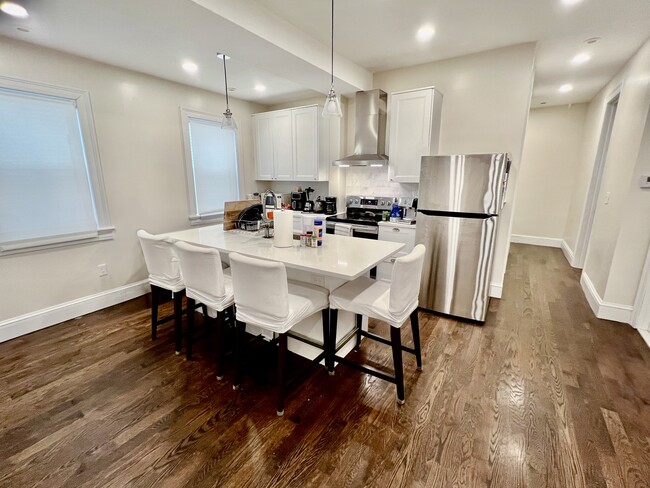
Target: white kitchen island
[{"x": 341, "y": 259}]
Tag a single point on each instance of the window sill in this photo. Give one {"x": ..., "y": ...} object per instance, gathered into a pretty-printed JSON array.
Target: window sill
[
  {"x": 208, "y": 219},
  {"x": 103, "y": 234}
]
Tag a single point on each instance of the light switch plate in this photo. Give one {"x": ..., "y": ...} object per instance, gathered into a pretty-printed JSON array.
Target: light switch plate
[{"x": 644, "y": 181}]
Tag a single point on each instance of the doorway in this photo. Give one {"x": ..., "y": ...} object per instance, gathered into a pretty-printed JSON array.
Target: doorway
[
  {"x": 641, "y": 317},
  {"x": 594, "y": 186}
]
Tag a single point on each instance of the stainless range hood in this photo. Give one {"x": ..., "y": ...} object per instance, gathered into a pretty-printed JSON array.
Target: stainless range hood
[{"x": 370, "y": 130}]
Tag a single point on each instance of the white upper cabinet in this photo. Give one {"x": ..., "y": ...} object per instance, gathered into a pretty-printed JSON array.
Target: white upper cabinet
[
  {"x": 305, "y": 145},
  {"x": 294, "y": 144},
  {"x": 414, "y": 131}
]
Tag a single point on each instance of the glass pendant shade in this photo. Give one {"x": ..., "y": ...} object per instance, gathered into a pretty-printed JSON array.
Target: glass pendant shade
[
  {"x": 332, "y": 106},
  {"x": 228, "y": 122}
]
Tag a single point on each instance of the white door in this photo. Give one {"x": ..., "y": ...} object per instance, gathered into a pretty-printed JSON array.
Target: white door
[
  {"x": 305, "y": 143},
  {"x": 410, "y": 133},
  {"x": 282, "y": 145},
  {"x": 263, "y": 137}
]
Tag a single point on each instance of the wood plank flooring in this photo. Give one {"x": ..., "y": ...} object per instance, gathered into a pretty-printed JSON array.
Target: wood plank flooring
[{"x": 542, "y": 395}]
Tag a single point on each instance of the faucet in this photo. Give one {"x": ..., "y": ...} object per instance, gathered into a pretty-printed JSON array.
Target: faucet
[{"x": 267, "y": 223}]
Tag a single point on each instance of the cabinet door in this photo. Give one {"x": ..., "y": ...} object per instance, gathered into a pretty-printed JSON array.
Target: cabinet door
[
  {"x": 282, "y": 145},
  {"x": 410, "y": 133},
  {"x": 263, "y": 140},
  {"x": 305, "y": 143}
]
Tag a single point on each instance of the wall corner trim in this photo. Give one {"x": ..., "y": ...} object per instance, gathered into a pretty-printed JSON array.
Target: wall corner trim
[
  {"x": 536, "y": 240},
  {"x": 602, "y": 309},
  {"x": 46, "y": 317},
  {"x": 496, "y": 290}
]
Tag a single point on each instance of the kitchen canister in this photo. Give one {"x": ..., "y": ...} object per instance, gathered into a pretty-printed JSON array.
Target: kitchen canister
[{"x": 283, "y": 228}]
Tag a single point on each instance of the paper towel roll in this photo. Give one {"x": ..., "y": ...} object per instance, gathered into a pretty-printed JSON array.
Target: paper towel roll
[{"x": 283, "y": 228}]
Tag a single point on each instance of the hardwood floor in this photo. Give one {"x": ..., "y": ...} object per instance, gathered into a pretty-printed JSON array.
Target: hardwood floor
[{"x": 543, "y": 394}]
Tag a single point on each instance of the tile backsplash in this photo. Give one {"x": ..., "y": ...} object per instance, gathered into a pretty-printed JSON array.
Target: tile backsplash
[{"x": 374, "y": 181}]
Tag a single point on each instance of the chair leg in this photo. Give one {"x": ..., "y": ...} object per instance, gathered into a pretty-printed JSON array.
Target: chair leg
[
  {"x": 189, "y": 335},
  {"x": 415, "y": 328},
  {"x": 240, "y": 341},
  {"x": 334, "y": 318},
  {"x": 204, "y": 309},
  {"x": 178, "y": 319},
  {"x": 326, "y": 335},
  {"x": 396, "y": 342},
  {"x": 282, "y": 373},
  {"x": 154, "y": 311},
  {"x": 359, "y": 322},
  {"x": 220, "y": 343}
]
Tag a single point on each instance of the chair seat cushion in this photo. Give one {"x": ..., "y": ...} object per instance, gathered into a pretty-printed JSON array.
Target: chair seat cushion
[
  {"x": 174, "y": 284},
  {"x": 214, "y": 302},
  {"x": 304, "y": 300},
  {"x": 368, "y": 297}
]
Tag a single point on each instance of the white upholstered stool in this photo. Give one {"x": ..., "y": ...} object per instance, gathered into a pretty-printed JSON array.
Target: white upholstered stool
[
  {"x": 206, "y": 283},
  {"x": 164, "y": 274},
  {"x": 264, "y": 297},
  {"x": 390, "y": 302}
]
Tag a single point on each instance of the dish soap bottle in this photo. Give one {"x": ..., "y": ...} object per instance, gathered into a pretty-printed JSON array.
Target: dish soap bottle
[{"x": 394, "y": 213}]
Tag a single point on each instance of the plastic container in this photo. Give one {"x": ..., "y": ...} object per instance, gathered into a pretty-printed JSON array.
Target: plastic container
[{"x": 395, "y": 213}]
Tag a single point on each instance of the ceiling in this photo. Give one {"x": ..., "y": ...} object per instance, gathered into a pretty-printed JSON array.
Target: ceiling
[{"x": 284, "y": 44}]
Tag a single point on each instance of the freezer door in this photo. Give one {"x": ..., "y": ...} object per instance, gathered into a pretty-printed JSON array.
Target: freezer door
[
  {"x": 470, "y": 183},
  {"x": 457, "y": 264}
]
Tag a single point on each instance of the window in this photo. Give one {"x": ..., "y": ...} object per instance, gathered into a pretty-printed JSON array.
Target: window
[
  {"x": 51, "y": 189},
  {"x": 211, "y": 165}
]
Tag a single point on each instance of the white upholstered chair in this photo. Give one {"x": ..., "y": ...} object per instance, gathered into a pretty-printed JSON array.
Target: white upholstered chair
[
  {"x": 206, "y": 283},
  {"x": 164, "y": 274},
  {"x": 392, "y": 303},
  {"x": 265, "y": 298}
]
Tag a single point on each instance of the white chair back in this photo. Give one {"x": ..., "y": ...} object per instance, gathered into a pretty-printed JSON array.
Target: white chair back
[
  {"x": 405, "y": 281},
  {"x": 260, "y": 287},
  {"x": 160, "y": 259},
  {"x": 201, "y": 269}
]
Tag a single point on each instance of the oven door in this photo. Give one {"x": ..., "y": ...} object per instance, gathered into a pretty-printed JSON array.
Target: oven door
[{"x": 365, "y": 231}]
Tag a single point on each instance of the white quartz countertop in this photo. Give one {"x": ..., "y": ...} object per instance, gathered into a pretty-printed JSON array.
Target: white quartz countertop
[{"x": 340, "y": 257}]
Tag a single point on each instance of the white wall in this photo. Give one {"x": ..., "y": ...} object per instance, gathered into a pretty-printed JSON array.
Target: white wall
[
  {"x": 140, "y": 142},
  {"x": 486, "y": 99},
  {"x": 621, "y": 229},
  {"x": 549, "y": 167}
]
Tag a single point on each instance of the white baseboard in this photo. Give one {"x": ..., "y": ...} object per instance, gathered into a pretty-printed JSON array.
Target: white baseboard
[
  {"x": 40, "y": 319},
  {"x": 602, "y": 309},
  {"x": 646, "y": 336},
  {"x": 496, "y": 290},
  {"x": 568, "y": 253},
  {"x": 536, "y": 241}
]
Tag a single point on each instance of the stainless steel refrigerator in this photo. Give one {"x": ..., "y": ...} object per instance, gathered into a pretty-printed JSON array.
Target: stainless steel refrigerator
[{"x": 460, "y": 198}]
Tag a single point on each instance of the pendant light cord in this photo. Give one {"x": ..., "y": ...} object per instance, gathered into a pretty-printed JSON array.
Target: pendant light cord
[
  {"x": 332, "y": 57},
  {"x": 225, "y": 76}
]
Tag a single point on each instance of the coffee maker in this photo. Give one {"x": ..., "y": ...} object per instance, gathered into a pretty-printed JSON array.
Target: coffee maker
[
  {"x": 298, "y": 200},
  {"x": 330, "y": 205}
]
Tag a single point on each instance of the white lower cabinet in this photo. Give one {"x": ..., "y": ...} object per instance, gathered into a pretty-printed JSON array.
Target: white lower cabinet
[{"x": 395, "y": 233}]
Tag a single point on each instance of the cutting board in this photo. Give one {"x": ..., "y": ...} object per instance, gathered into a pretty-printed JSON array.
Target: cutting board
[{"x": 231, "y": 211}]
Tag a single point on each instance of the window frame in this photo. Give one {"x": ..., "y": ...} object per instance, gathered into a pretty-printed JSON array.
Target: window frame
[
  {"x": 194, "y": 217},
  {"x": 81, "y": 99}
]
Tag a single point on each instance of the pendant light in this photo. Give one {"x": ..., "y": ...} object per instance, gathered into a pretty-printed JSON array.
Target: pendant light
[
  {"x": 228, "y": 122},
  {"x": 332, "y": 106}
]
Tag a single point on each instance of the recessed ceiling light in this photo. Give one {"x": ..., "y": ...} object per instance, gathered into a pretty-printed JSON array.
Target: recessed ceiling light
[
  {"x": 569, "y": 3},
  {"x": 190, "y": 67},
  {"x": 14, "y": 10},
  {"x": 581, "y": 58},
  {"x": 260, "y": 88},
  {"x": 220, "y": 56},
  {"x": 565, "y": 88},
  {"x": 425, "y": 33}
]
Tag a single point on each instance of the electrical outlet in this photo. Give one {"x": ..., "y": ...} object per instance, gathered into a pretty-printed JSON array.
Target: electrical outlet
[
  {"x": 606, "y": 199},
  {"x": 318, "y": 280},
  {"x": 102, "y": 269}
]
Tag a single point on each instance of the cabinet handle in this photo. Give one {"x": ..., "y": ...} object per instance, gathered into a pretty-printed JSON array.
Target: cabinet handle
[{"x": 395, "y": 229}]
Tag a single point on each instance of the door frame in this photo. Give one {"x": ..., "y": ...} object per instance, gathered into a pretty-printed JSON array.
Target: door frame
[{"x": 586, "y": 224}]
